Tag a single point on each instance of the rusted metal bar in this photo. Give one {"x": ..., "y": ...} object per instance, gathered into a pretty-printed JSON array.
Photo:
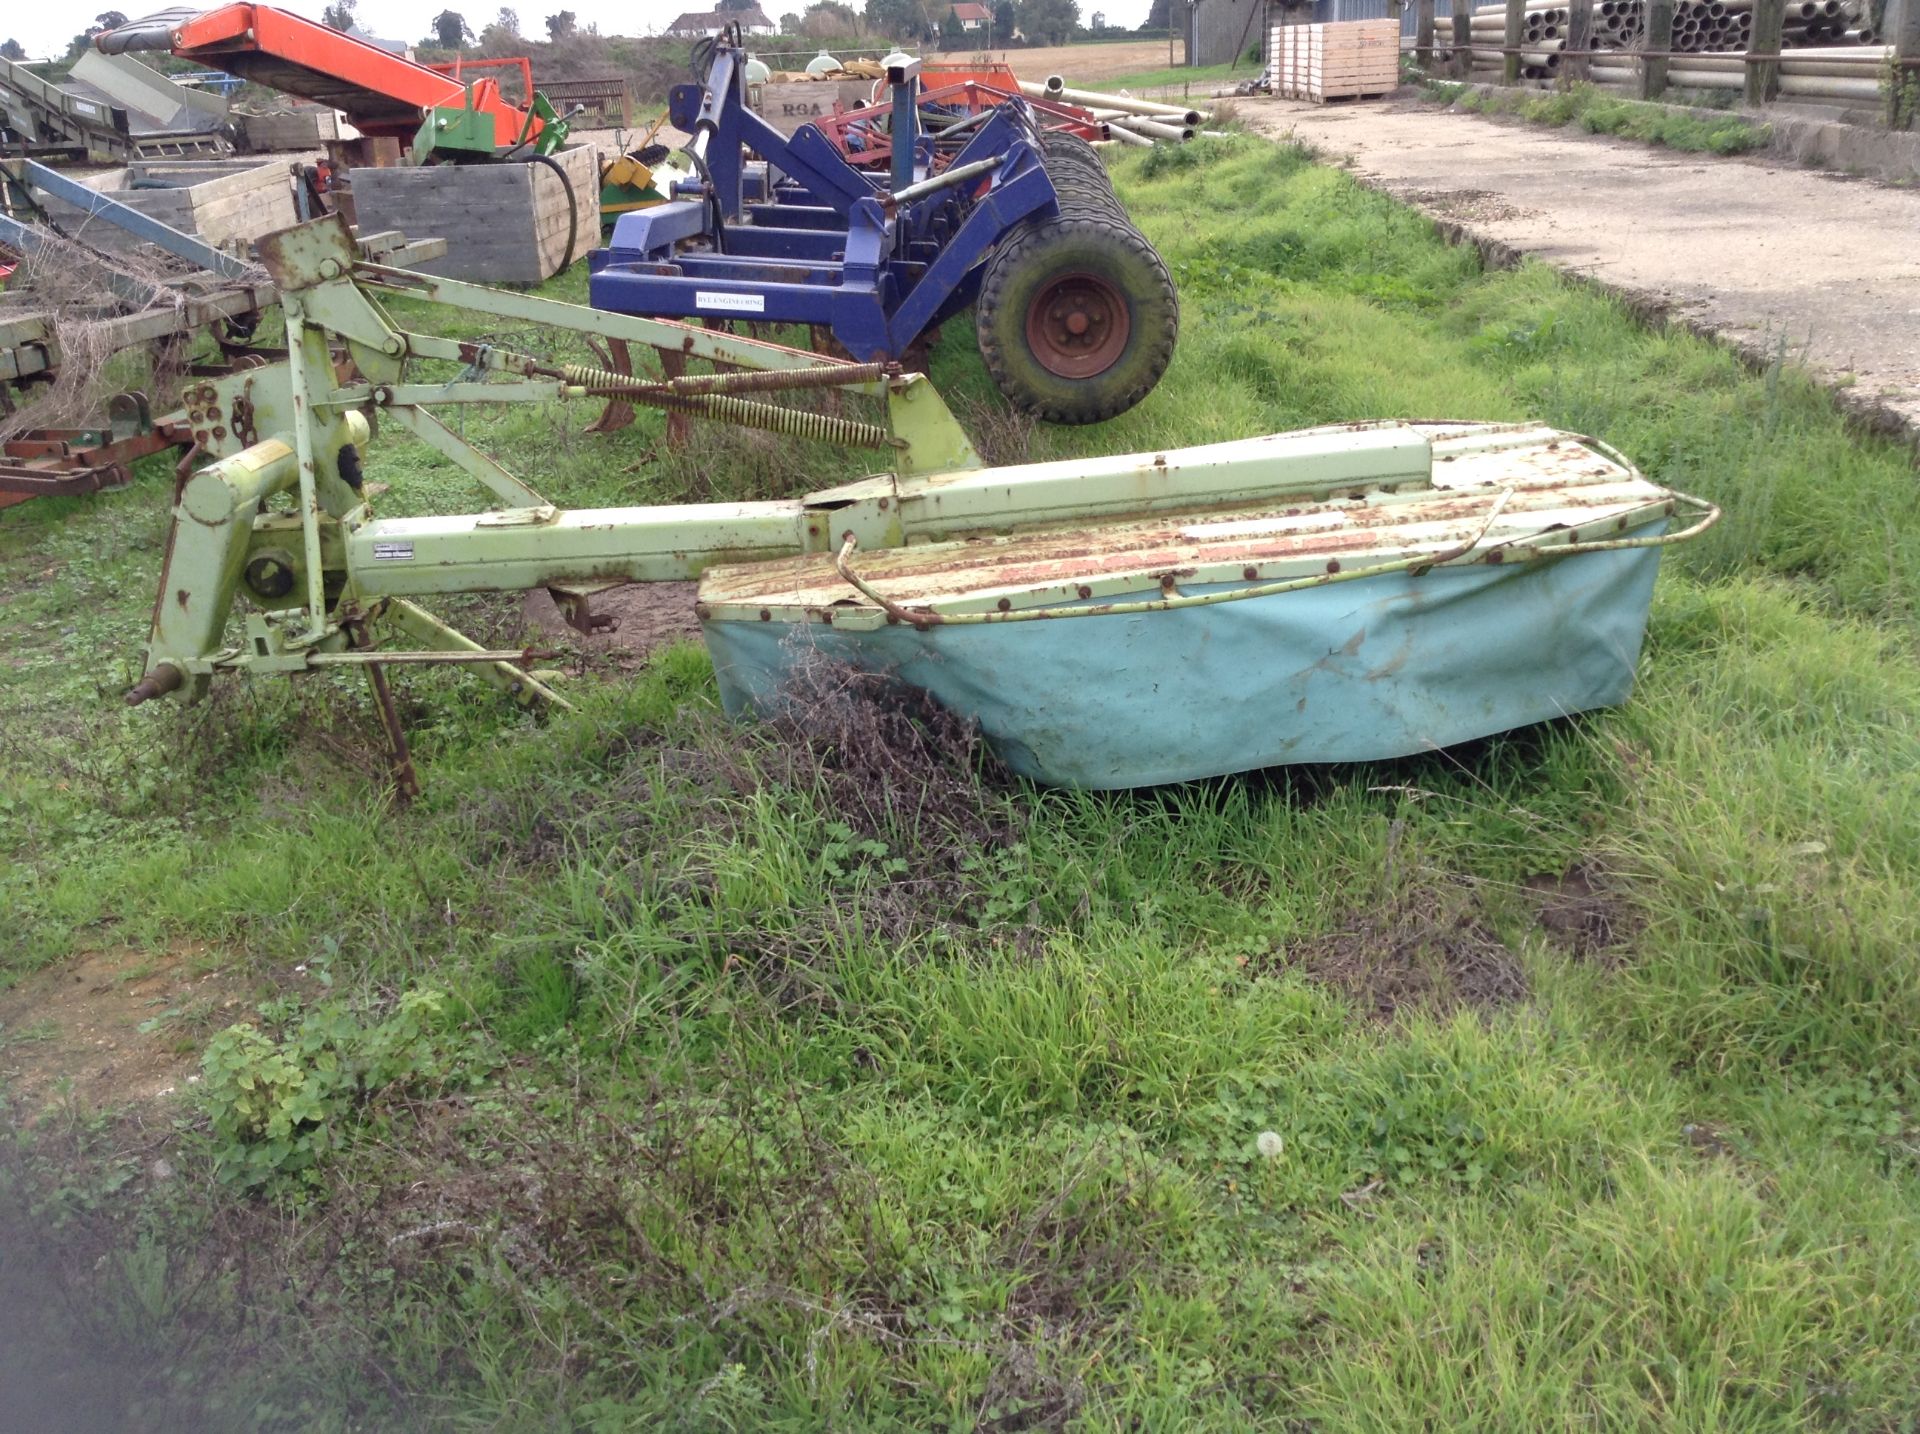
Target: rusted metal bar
[
  {"x": 432, "y": 658},
  {"x": 1516, "y": 32},
  {"x": 406, "y": 782}
]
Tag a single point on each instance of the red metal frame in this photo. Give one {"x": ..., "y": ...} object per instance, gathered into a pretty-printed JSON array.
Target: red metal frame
[
  {"x": 382, "y": 94},
  {"x": 70, "y": 462},
  {"x": 455, "y": 69},
  {"x": 969, "y": 94}
]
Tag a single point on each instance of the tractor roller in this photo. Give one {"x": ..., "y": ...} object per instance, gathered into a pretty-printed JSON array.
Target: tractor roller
[
  {"x": 1077, "y": 315},
  {"x": 1070, "y": 149}
]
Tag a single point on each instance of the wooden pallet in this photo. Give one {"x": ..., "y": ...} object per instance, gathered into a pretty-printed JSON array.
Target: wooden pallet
[{"x": 1344, "y": 59}]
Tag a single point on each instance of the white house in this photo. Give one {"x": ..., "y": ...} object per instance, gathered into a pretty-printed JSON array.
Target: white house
[{"x": 697, "y": 23}]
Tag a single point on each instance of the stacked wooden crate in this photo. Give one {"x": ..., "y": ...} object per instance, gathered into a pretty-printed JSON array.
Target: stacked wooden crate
[
  {"x": 1344, "y": 59},
  {"x": 503, "y": 223},
  {"x": 225, "y": 202},
  {"x": 304, "y": 127},
  {"x": 786, "y": 105}
]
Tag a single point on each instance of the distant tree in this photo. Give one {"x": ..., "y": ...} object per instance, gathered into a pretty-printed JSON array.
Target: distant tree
[
  {"x": 1049, "y": 21},
  {"x": 12, "y": 50},
  {"x": 1159, "y": 15},
  {"x": 503, "y": 35},
  {"x": 789, "y": 23},
  {"x": 105, "y": 20},
  {"x": 829, "y": 20},
  {"x": 561, "y": 25},
  {"x": 728, "y": 7},
  {"x": 338, "y": 14},
  {"x": 906, "y": 19},
  {"x": 451, "y": 30},
  {"x": 1006, "y": 19}
]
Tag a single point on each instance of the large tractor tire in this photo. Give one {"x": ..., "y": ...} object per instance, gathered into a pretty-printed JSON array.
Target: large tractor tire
[
  {"x": 1069, "y": 149},
  {"x": 1085, "y": 202},
  {"x": 1077, "y": 318}
]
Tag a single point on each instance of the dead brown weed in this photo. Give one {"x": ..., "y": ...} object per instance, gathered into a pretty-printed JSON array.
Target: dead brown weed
[
  {"x": 1583, "y": 911},
  {"x": 1426, "y": 948}
]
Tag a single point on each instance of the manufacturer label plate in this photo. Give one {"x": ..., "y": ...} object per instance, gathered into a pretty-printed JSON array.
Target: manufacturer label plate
[
  {"x": 732, "y": 303},
  {"x": 393, "y": 552}
]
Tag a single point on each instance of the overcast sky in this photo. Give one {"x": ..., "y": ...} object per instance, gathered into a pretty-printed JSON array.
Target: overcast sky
[{"x": 45, "y": 26}]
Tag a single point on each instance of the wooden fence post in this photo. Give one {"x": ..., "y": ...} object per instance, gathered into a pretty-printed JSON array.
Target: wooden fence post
[
  {"x": 1903, "y": 91},
  {"x": 1653, "y": 67},
  {"x": 1463, "y": 37},
  {"x": 1516, "y": 27},
  {"x": 1574, "y": 65},
  {"x": 1423, "y": 34},
  {"x": 1763, "y": 76}
]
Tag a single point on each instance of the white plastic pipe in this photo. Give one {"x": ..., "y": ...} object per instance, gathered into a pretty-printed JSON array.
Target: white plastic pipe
[
  {"x": 1140, "y": 124},
  {"x": 1093, "y": 99},
  {"x": 1829, "y": 87}
]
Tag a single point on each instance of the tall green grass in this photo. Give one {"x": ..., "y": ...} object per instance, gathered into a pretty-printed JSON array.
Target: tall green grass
[{"x": 762, "y": 1103}]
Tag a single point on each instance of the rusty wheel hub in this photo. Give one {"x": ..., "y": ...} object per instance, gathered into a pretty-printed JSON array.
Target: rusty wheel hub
[{"x": 1077, "y": 326}]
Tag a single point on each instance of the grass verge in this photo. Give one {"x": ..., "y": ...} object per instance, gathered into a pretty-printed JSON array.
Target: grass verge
[
  {"x": 1598, "y": 111},
  {"x": 657, "y": 1071}
]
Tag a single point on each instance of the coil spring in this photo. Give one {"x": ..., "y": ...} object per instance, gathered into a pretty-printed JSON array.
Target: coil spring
[
  {"x": 821, "y": 427},
  {"x": 790, "y": 422},
  {"x": 758, "y": 381}
]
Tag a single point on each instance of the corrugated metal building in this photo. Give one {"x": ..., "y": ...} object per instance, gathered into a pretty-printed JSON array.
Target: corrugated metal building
[{"x": 1218, "y": 30}]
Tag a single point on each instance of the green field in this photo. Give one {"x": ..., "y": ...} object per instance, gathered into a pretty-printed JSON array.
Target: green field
[
  {"x": 1199, "y": 79},
  {"x": 657, "y": 1072}
]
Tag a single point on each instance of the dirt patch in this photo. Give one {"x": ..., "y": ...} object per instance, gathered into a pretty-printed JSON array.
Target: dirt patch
[
  {"x": 644, "y": 616},
  {"x": 1428, "y": 949},
  {"x": 1581, "y": 912},
  {"x": 1466, "y": 205},
  {"x": 110, "y": 1028},
  {"x": 1083, "y": 65}
]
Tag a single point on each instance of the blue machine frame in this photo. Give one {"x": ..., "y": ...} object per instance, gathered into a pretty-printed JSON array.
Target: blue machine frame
[{"x": 806, "y": 238}]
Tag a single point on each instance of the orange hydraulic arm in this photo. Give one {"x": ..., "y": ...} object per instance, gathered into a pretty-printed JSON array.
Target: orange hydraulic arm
[{"x": 381, "y": 94}]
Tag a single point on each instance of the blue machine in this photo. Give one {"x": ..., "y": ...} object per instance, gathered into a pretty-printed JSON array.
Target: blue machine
[{"x": 801, "y": 236}]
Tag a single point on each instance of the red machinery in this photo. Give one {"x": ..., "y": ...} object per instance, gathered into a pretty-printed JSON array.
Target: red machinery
[
  {"x": 382, "y": 94},
  {"x": 956, "y": 91}
]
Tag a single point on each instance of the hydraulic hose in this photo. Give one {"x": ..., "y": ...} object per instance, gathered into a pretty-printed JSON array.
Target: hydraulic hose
[{"x": 573, "y": 204}]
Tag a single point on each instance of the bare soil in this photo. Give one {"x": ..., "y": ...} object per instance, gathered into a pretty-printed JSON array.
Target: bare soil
[
  {"x": 1427, "y": 948},
  {"x": 645, "y": 616},
  {"x": 73, "y": 1031},
  {"x": 1580, "y": 911},
  {"x": 1756, "y": 255},
  {"x": 1084, "y": 65}
]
